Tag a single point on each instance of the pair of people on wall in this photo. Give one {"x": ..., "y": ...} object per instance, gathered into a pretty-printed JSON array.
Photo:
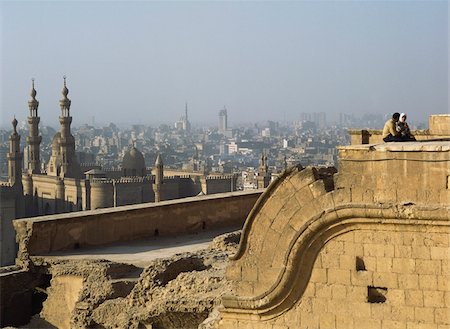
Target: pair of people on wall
[{"x": 396, "y": 129}]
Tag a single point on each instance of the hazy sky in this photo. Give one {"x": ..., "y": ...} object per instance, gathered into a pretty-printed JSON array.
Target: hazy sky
[{"x": 138, "y": 62}]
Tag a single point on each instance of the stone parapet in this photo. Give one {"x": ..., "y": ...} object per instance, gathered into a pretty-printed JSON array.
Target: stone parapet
[
  {"x": 42, "y": 235},
  {"x": 439, "y": 128}
]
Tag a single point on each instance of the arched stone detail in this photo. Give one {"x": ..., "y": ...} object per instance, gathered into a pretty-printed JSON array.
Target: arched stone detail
[{"x": 284, "y": 234}]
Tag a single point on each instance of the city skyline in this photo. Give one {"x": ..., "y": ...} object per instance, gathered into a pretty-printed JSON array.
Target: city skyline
[{"x": 141, "y": 61}]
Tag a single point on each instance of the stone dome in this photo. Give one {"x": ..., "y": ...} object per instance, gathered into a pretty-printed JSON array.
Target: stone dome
[
  {"x": 56, "y": 141},
  {"x": 133, "y": 163}
]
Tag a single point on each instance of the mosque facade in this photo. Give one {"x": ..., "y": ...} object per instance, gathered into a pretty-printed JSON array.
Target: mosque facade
[{"x": 69, "y": 186}]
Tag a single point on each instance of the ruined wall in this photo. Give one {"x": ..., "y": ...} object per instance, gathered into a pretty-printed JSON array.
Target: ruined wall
[
  {"x": 45, "y": 234},
  {"x": 7, "y": 237},
  {"x": 369, "y": 251}
]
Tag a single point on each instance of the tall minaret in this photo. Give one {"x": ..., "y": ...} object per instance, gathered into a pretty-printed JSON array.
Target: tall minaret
[
  {"x": 186, "y": 123},
  {"x": 15, "y": 158},
  {"x": 262, "y": 180},
  {"x": 159, "y": 176},
  {"x": 33, "y": 139},
  {"x": 69, "y": 163}
]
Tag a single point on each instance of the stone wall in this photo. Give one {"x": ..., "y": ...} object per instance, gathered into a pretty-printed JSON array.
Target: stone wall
[
  {"x": 41, "y": 235},
  {"x": 370, "y": 250},
  {"x": 7, "y": 237},
  {"x": 439, "y": 127}
]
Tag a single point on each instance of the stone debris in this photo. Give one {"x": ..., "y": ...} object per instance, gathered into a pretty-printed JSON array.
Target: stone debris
[{"x": 183, "y": 291}]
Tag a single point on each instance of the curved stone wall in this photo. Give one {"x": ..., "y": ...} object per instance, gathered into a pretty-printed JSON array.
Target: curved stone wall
[{"x": 311, "y": 257}]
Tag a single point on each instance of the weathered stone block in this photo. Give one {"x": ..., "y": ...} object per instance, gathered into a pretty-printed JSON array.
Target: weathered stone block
[
  {"x": 375, "y": 250},
  {"x": 359, "y": 310},
  {"x": 384, "y": 264},
  {"x": 443, "y": 282},
  {"x": 338, "y": 291},
  {"x": 318, "y": 275},
  {"x": 362, "y": 278},
  {"x": 403, "y": 265},
  {"x": 367, "y": 323},
  {"x": 309, "y": 320},
  {"x": 424, "y": 266},
  {"x": 338, "y": 276},
  {"x": 287, "y": 211},
  {"x": 234, "y": 272},
  {"x": 442, "y": 316},
  {"x": 317, "y": 188},
  {"x": 433, "y": 298},
  {"x": 354, "y": 249},
  {"x": 440, "y": 252},
  {"x": 327, "y": 321},
  {"x": 385, "y": 196},
  {"x": 402, "y": 313},
  {"x": 341, "y": 196},
  {"x": 421, "y": 252},
  {"x": 416, "y": 325},
  {"x": 408, "y": 281},
  {"x": 414, "y": 298},
  {"x": 445, "y": 266},
  {"x": 329, "y": 260},
  {"x": 396, "y": 297},
  {"x": 250, "y": 273},
  {"x": 323, "y": 290},
  {"x": 427, "y": 281},
  {"x": 357, "y": 293},
  {"x": 346, "y": 262},
  {"x": 388, "y": 280},
  {"x": 401, "y": 251},
  {"x": 389, "y": 324},
  {"x": 344, "y": 322},
  {"x": 303, "y": 178},
  {"x": 380, "y": 311},
  {"x": 447, "y": 299},
  {"x": 424, "y": 314},
  {"x": 319, "y": 305}
]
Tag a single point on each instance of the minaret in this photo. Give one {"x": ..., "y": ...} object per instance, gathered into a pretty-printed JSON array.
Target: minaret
[
  {"x": 69, "y": 163},
  {"x": 33, "y": 139},
  {"x": 15, "y": 158},
  {"x": 186, "y": 123},
  {"x": 159, "y": 176},
  {"x": 263, "y": 172}
]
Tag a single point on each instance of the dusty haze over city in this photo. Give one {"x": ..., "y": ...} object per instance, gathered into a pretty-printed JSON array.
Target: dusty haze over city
[{"x": 139, "y": 62}]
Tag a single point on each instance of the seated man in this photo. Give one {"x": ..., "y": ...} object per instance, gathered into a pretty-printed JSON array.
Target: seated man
[
  {"x": 403, "y": 128},
  {"x": 390, "y": 133}
]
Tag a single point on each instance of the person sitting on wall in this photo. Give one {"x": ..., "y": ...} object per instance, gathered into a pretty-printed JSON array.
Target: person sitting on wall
[
  {"x": 390, "y": 133},
  {"x": 403, "y": 129}
]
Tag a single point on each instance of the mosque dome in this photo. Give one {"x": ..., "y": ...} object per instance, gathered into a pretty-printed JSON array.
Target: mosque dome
[
  {"x": 133, "y": 163},
  {"x": 56, "y": 141}
]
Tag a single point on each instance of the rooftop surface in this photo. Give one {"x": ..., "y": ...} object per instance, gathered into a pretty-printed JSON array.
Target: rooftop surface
[
  {"x": 141, "y": 253},
  {"x": 419, "y": 146}
]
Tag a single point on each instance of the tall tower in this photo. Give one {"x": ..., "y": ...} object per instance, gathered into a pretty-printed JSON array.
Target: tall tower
[
  {"x": 263, "y": 178},
  {"x": 69, "y": 163},
  {"x": 186, "y": 123},
  {"x": 15, "y": 158},
  {"x": 33, "y": 139},
  {"x": 159, "y": 175},
  {"x": 223, "y": 120}
]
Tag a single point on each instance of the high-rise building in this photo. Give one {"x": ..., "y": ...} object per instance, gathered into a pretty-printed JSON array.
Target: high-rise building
[{"x": 223, "y": 121}]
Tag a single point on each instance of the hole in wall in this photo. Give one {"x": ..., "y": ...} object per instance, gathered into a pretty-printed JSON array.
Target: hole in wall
[
  {"x": 156, "y": 232},
  {"x": 203, "y": 225},
  {"x": 76, "y": 245},
  {"x": 376, "y": 294},
  {"x": 360, "y": 266}
]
